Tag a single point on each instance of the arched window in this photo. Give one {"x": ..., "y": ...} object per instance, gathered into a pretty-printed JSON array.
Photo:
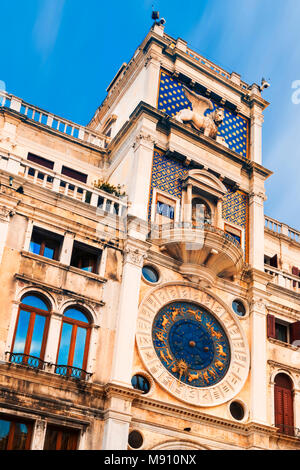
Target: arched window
[
  {"x": 201, "y": 212},
  {"x": 284, "y": 415},
  {"x": 30, "y": 335},
  {"x": 74, "y": 344}
]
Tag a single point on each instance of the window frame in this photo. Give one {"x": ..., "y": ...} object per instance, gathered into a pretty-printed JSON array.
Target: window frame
[
  {"x": 75, "y": 324},
  {"x": 61, "y": 430},
  {"x": 11, "y": 434},
  {"x": 33, "y": 311},
  {"x": 46, "y": 236}
]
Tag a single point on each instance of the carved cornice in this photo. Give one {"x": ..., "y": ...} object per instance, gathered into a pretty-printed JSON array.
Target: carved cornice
[
  {"x": 6, "y": 213},
  {"x": 144, "y": 138}
]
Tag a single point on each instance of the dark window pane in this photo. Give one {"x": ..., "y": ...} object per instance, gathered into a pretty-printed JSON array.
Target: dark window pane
[
  {"x": 34, "y": 301},
  {"x": 51, "y": 439},
  {"x": 139, "y": 382},
  {"x": 77, "y": 175},
  {"x": 40, "y": 161},
  {"x": 281, "y": 332},
  {"x": 20, "y": 436},
  {"x": 239, "y": 308}
]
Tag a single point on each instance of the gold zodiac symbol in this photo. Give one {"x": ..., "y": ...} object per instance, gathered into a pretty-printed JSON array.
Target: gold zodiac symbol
[
  {"x": 206, "y": 378},
  {"x": 165, "y": 322},
  {"x": 168, "y": 354},
  {"x": 219, "y": 365},
  {"x": 160, "y": 336},
  {"x": 181, "y": 367},
  {"x": 193, "y": 377},
  {"x": 175, "y": 313},
  {"x": 220, "y": 350},
  {"x": 213, "y": 373},
  {"x": 164, "y": 357},
  {"x": 213, "y": 332}
]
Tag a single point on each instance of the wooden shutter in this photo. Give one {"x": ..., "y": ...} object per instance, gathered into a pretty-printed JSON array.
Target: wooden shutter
[
  {"x": 274, "y": 261},
  {"x": 279, "y": 421},
  {"x": 295, "y": 332},
  {"x": 271, "y": 332},
  {"x": 295, "y": 272}
]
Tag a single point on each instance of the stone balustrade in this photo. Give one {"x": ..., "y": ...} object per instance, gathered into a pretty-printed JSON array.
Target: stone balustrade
[
  {"x": 280, "y": 228},
  {"x": 64, "y": 185},
  {"x": 282, "y": 279},
  {"x": 55, "y": 122}
]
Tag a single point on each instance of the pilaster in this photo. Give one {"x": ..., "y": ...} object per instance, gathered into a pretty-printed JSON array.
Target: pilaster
[{"x": 134, "y": 255}]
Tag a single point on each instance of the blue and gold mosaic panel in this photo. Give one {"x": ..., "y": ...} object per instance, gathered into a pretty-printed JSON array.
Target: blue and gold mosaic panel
[
  {"x": 167, "y": 175},
  {"x": 235, "y": 207},
  {"x": 191, "y": 344},
  {"x": 234, "y": 128}
]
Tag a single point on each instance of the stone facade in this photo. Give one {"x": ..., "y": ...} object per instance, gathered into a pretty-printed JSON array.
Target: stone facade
[{"x": 48, "y": 167}]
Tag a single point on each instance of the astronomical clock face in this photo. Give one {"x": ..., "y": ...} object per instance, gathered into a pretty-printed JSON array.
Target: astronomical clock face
[{"x": 192, "y": 345}]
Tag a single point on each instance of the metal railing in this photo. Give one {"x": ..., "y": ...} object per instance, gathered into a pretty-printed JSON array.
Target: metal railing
[
  {"x": 73, "y": 372},
  {"x": 32, "y": 362},
  {"x": 36, "y": 363},
  {"x": 64, "y": 126}
]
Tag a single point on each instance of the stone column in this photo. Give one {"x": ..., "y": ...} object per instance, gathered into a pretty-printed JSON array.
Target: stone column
[
  {"x": 39, "y": 433},
  {"x": 67, "y": 248},
  {"x": 134, "y": 255},
  {"x": 256, "y": 126},
  {"x": 5, "y": 214},
  {"x": 53, "y": 338},
  {"x": 117, "y": 418},
  {"x": 152, "y": 66},
  {"x": 257, "y": 227},
  {"x": 259, "y": 387},
  {"x": 141, "y": 173}
]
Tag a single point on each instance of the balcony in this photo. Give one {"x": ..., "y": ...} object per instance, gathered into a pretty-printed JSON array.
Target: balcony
[
  {"x": 203, "y": 251},
  {"x": 57, "y": 123},
  {"x": 35, "y": 363},
  {"x": 282, "y": 279},
  {"x": 64, "y": 185}
]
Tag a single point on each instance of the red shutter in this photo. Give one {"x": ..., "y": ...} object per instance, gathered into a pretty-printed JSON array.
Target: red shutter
[
  {"x": 279, "y": 409},
  {"x": 271, "y": 332},
  {"x": 294, "y": 332},
  {"x": 295, "y": 271}
]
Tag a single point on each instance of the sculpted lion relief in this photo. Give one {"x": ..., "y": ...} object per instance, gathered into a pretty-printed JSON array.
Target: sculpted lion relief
[{"x": 209, "y": 124}]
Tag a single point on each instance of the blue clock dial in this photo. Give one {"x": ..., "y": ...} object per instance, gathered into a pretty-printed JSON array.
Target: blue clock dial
[{"x": 191, "y": 344}]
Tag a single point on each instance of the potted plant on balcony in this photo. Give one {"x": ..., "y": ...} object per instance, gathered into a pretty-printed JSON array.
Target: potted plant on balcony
[{"x": 109, "y": 188}]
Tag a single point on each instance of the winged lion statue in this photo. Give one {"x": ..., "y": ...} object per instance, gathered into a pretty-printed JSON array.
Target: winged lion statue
[{"x": 209, "y": 124}]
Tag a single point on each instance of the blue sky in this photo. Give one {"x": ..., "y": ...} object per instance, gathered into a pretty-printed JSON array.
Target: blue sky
[{"x": 61, "y": 55}]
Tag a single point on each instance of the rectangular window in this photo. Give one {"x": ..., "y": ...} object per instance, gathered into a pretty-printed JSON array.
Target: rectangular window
[
  {"x": 14, "y": 434},
  {"x": 281, "y": 331},
  {"x": 85, "y": 257},
  {"x": 234, "y": 232},
  {"x": 40, "y": 161},
  {"x": 165, "y": 210},
  {"x": 60, "y": 438},
  {"x": 271, "y": 261},
  {"x": 74, "y": 174},
  {"x": 45, "y": 243}
]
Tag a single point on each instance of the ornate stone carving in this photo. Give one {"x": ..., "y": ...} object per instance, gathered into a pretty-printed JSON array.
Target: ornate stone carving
[
  {"x": 236, "y": 375},
  {"x": 144, "y": 138},
  {"x": 209, "y": 124},
  {"x": 6, "y": 213},
  {"x": 134, "y": 256}
]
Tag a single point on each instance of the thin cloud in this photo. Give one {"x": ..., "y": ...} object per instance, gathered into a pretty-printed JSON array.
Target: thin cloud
[{"x": 46, "y": 28}]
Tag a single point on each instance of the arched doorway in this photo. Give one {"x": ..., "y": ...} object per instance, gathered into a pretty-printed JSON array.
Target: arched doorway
[{"x": 284, "y": 414}]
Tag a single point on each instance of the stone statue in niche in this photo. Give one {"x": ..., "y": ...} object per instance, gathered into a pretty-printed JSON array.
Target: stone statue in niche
[{"x": 209, "y": 124}]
